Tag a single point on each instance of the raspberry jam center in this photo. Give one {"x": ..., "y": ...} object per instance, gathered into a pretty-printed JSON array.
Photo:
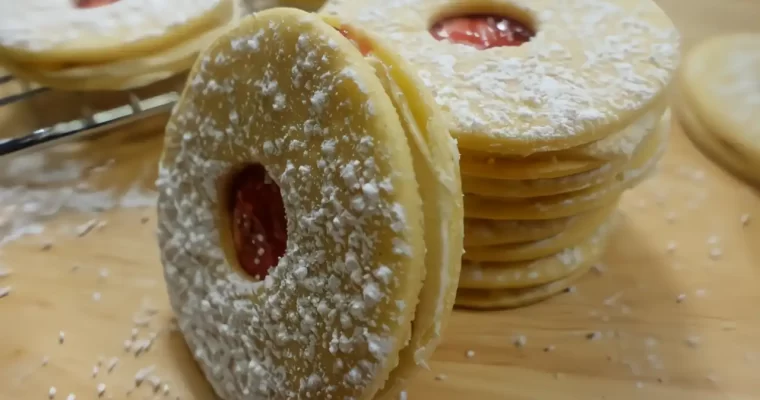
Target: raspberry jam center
[
  {"x": 93, "y": 3},
  {"x": 259, "y": 229},
  {"x": 482, "y": 31}
]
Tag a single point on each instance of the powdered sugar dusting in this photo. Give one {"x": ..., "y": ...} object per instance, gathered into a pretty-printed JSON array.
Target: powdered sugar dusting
[{"x": 590, "y": 64}]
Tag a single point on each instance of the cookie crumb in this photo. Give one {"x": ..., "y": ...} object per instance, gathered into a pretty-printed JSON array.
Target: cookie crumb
[
  {"x": 112, "y": 364},
  {"x": 594, "y": 335},
  {"x": 744, "y": 219}
]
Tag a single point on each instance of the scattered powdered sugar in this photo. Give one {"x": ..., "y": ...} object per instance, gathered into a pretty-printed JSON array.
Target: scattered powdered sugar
[{"x": 36, "y": 187}]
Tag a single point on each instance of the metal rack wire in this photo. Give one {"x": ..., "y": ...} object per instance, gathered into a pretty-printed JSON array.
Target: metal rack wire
[{"x": 89, "y": 116}]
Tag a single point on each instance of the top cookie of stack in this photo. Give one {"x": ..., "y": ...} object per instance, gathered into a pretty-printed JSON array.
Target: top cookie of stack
[
  {"x": 557, "y": 107},
  {"x": 107, "y": 44}
]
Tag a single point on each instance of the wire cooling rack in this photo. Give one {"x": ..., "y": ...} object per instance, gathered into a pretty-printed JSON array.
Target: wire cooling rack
[{"x": 38, "y": 117}]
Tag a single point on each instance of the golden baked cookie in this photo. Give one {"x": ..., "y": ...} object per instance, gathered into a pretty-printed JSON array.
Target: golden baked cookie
[
  {"x": 524, "y": 251},
  {"x": 519, "y": 77},
  {"x": 95, "y": 31},
  {"x": 489, "y": 299},
  {"x": 568, "y": 204},
  {"x": 526, "y": 188},
  {"x": 720, "y": 84},
  {"x": 108, "y": 44},
  {"x": 120, "y": 74},
  {"x": 715, "y": 148},
  {"x": 539, "y": 271},
  {"x": 310, "y": 218}
]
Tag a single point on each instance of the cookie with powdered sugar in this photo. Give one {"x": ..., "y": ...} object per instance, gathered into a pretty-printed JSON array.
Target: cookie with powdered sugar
[
  {"x": 720, "y": 83},
  {"x": 521, "y": 77},
  {"x": 310, "y": 213},
  {"x": 57, "y": 33}
]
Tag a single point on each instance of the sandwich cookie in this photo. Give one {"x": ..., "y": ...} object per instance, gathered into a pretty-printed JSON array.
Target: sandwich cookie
[
  {"x": 522, "y": 77},
  {"x": 491, "y": 299},
  {"x": 720, "y": 83},
  {"x": 121, "y": 74},
  {"x": 525, "y": 251},
  {"x": 522, "y": 274},
  {"x": 568, "y": 204},
  {"x": 485, "y": 233},
  {"x": 545, "y": 187},
  {"x": 96, "y": 44},
  {"x": 301, "y": 257}
]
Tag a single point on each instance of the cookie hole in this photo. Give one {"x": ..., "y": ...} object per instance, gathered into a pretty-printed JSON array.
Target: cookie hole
[
  {"x": 93, "y": 3},
  {"x": 483, "y": 27},
  {"x": 255, "y": 223}
]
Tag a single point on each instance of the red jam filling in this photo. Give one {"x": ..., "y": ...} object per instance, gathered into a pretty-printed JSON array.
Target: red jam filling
[
  {"x": 482, "y": 31},
  {"x": 259, "y": 229},
  {"x": 364, "y": 46},
  {"x": 93, "y": 3}
]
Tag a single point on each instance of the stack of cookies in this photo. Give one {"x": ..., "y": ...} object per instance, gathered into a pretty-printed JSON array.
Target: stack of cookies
[
  {"x": 558, "y": 107},
  {"x": 107, "y": 44}
]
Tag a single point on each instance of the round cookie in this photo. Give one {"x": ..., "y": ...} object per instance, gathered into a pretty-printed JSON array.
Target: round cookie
[
  {"x": 563, "y": 87},
  {"x": 85, "y": 32},
  {"x": 547, "y": 187},
  {"x": 720, "y": 81},
  {"x": 485, "y": 299},
  {"x": 488, "y": 167},
  {"x": 306, "y": 281},
  {"x": 121, "y": 74},
  {"x": 531, "y": 273},
  {"x": 484, "y": 232},
  {"x": 568, "y": 204},
  {"x": 716, "y": 149},
  {"x": 570, "y": 237}
]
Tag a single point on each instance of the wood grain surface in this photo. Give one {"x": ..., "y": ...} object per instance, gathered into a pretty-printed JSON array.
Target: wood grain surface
[{"x": 672, "y": 315}]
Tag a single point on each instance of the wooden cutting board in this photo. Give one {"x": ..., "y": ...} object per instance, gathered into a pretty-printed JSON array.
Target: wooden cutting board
[{"x": 673, "y": 315}]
